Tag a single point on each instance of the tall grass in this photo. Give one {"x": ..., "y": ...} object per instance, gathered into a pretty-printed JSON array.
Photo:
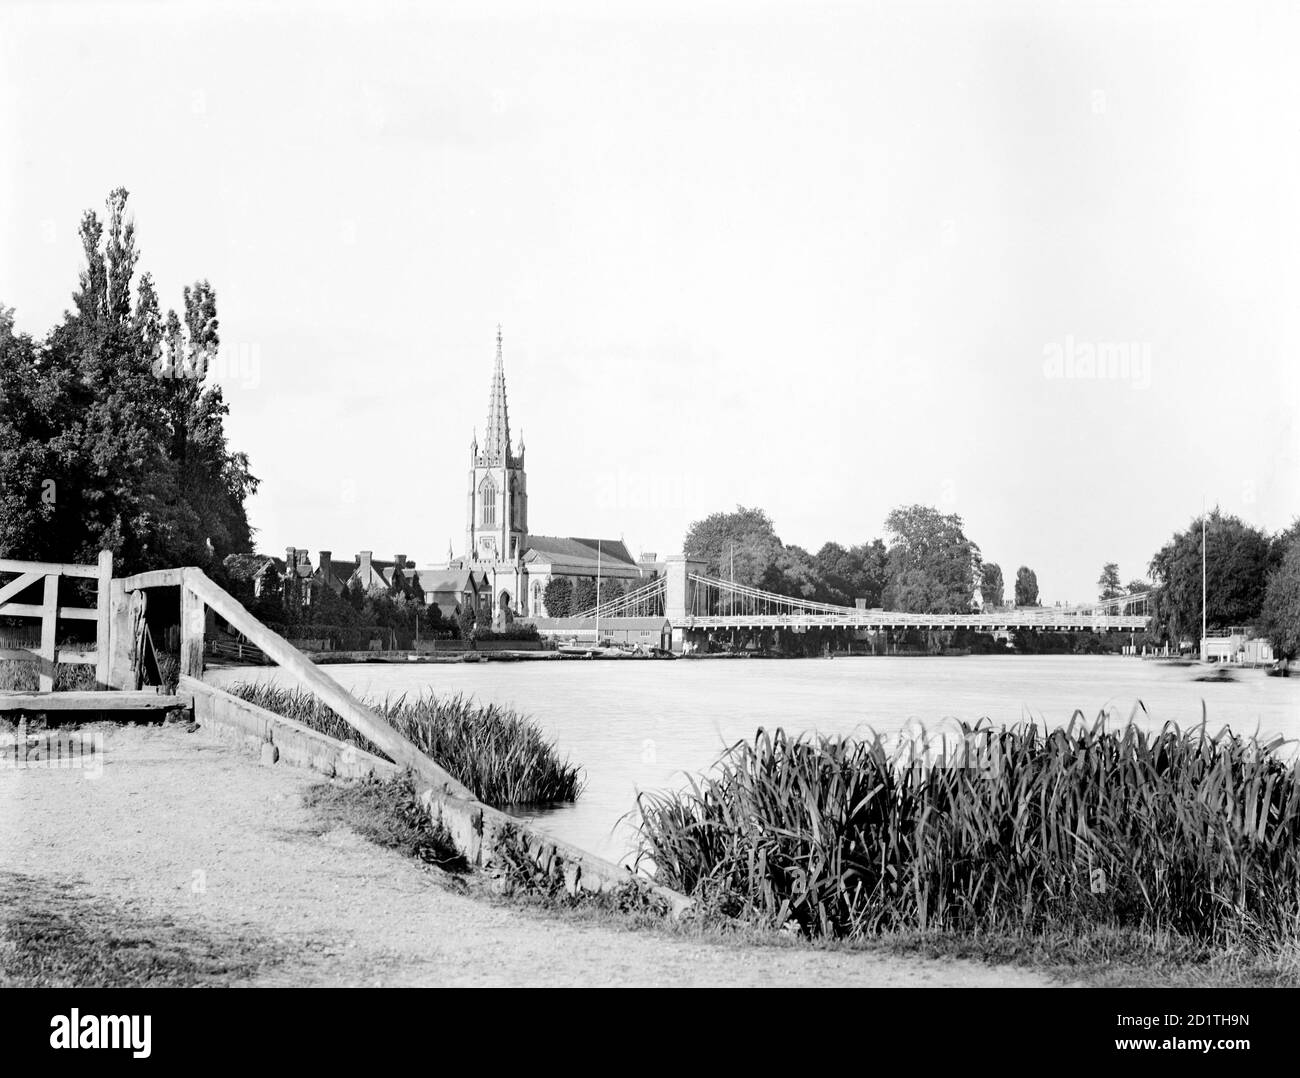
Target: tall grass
[
  {"x": 496, "y": 752},
  {"x": 1028, "y": 831},
  {"x": 22, "y": 677}
]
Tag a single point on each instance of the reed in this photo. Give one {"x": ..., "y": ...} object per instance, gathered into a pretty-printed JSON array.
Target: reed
[
  {"x": 1024, "y": 830},
  {"x": 500, "y": 755}
]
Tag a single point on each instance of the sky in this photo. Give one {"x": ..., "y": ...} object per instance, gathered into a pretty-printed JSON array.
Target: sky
[{"x": 1034, "y": 264}]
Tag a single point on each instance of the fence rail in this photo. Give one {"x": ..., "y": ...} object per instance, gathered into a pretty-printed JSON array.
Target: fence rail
[{"x": 48, "y": 656}]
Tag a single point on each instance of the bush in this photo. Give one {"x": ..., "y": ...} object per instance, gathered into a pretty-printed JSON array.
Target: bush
[
  {"x": 517, "y": 631},
  {"x": 1081, "y": 826}
]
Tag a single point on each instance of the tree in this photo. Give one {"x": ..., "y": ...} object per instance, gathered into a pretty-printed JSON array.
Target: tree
[
  {"x": 1136, "y": 587},
  {"x": 464, "y": 622},
  {"x": 933, "y": 567},
  {"x": 871, "y": 573},
  {"x": 110, "y": 436},
  {"x": 1026, "y": 587},
  {"x": 834, "y": 567},
  {"x": 1108, "y": 586},
  {"x": 1280, "y": 545},
  {"x": 557, "y": 597},
  {"x": 991, "y": 585},
  {"x": 1280, "y": 617},
  {"x": 584, "y": 596},
  {"x": 742, "y": 543},
  {"x": 842, "y": 576},
  {"x": 1237, "y": 561},
  {"x": 609, "y": 591},
  {"x": 269, "y": 605}
]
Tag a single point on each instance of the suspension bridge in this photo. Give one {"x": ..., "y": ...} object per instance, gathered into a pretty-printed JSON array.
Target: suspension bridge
[{"x": 692, "y": 602}]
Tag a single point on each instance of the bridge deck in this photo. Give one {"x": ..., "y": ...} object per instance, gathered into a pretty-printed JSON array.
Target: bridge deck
[{"x": 1045, "y": 622}]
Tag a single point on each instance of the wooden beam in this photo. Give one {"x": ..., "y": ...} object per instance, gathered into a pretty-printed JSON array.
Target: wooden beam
[
  {"x": 103, "y": 620},
  {"x": 158, "y": 578},
  {"x": 192, "y": 619},
  {"x": 49, "y": 627},
  {"x": 18, "y": 585},
  {"x": 37, "y": 610},
  {"x": 91, "y": 701},
  {"x": 121, "y": 637},
  {"x": 62, "y": 655},
  {"x": 330, "y": 692},
  {"x": 43, "y": 568}
]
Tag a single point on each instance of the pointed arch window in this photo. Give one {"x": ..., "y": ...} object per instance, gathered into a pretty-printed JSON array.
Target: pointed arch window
[{"x": 487, "y": 497}]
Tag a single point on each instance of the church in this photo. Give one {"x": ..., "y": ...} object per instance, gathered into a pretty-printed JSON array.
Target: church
[{"x": 514, "y": 565}]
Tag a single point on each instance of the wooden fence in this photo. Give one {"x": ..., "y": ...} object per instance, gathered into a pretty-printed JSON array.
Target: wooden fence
[{"x": 48, "y": 576}]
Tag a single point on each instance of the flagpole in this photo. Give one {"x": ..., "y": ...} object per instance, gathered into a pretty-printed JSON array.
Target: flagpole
[{"x": 1203, "y": 578}]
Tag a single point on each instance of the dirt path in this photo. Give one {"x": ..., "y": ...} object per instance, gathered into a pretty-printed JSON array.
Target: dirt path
[{"x": 184, "y": 830}]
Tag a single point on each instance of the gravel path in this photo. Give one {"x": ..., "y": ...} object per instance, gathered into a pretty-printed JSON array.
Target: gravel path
[{"x": 187, "y": 828}]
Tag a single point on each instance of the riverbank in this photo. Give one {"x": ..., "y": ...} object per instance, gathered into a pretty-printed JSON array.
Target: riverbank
[{"x": 259, "y": 882}]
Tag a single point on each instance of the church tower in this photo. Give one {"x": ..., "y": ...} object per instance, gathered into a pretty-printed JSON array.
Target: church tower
[{"x": 498, "y": 491}]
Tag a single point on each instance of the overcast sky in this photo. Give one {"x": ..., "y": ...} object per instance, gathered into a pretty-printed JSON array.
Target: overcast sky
[{"x": 823, "y": 261}]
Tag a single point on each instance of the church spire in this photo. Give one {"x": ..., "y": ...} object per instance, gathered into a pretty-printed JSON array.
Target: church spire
[{"x": 496, "y": 441}]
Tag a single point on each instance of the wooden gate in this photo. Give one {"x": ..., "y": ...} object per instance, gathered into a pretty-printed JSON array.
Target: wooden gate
[{"x": 46, "y": 577}]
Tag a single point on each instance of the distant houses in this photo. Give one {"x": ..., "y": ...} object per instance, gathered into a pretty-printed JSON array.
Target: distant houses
[{"x": 451, "y": 590}]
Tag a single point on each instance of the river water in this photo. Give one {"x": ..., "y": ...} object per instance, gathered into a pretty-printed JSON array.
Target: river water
[{"x": 643, "y": 725}]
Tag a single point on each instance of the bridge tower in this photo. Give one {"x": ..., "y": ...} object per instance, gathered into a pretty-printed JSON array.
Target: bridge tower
[{"x": 679, "y": 593}]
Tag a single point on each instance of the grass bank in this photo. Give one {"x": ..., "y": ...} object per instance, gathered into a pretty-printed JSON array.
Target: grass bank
[
  {"x": 55, "y": 936},
  {"x": 1081, "y": 846},
  {"x": 499, "y": 754}
]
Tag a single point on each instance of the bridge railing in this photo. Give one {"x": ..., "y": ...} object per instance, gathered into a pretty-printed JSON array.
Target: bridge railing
[{"x": 27, "y": 575}]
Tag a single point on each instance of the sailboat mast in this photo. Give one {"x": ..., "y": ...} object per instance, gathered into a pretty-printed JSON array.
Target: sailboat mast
[
  {"x": 598, "y": 592},
  {"x": 1203, "y": 587}
]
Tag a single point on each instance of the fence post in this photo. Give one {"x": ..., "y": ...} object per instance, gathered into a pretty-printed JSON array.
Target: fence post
[
  {"x": 193, "y": 624},
  {"x": 49, "y": 640},
  {"x": 103, "y": 620},
  {"x": 121, "y": 636}
]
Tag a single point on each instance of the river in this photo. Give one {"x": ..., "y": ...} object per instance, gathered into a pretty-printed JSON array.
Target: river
[{"x": 642, "y": 725}]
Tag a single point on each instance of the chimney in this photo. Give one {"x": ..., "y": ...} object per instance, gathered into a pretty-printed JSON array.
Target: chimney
[
  {"x": 290, "y": 558},
  {"x": 363, "y": 560},
  {"x": 303, "y": 559},
  {"x": 326, "y": 569},
  {"x": 399, "y": 560}
]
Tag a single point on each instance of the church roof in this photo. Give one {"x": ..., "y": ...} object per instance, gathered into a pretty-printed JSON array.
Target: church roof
[{"x": 580, "y": 553}]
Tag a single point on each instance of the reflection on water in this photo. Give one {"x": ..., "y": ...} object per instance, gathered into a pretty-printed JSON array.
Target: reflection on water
[{"x": 641, "y": 725}]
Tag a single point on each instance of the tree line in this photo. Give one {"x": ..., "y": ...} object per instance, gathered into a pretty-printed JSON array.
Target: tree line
[
  {"x": 1252, "y": 580},
  {"x": 111, "y": 431},
  {"x": 925, "y": 563}
]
